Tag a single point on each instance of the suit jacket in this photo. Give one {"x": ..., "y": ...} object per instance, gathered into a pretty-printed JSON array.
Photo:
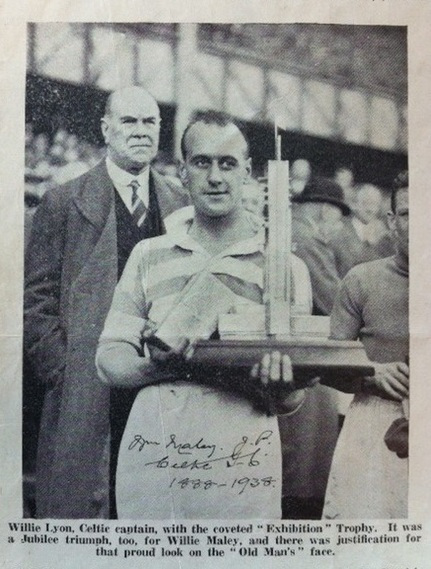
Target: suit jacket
[{"x": 71, "y": 274}]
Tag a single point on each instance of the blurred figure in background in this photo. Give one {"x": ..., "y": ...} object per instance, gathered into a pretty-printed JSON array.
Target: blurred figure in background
[
  {"x": 300, "y": 174},
  {"x": 56, "y": 162},
  {"x": 345, "y": 178},
  {"x": 317, "y": 425},
  {"x": 165, "y": 167},
  {"x": 37, "y": 151},
  {"x": 362, "y": 238},
  {"x": 332, "y": 222},
  {"x": 368, "y": 211},
  {"x": 253, "y": 198},
  {"x": 41, "y": 147},
  {"x": 71, "y": 165},
  {"x": 321, "y": 198}
]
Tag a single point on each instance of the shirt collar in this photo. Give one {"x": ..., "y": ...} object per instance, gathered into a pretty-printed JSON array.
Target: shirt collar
[
  {"x": 122, "y": 179},
  {"x": 179, "y": 235}
]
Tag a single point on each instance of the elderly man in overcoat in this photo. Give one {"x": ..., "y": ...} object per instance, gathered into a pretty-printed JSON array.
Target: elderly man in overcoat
[
  {"x": 320, "y": 197},
  {"x": 82, "y": 235}
]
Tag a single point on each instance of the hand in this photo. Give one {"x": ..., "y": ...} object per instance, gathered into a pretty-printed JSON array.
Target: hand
[
  {"x": 275, "y": 376},
  {"x": 397, "y": 437},
  {"x": 162, "y": 353},
  {"x": 392, "y": 380}
]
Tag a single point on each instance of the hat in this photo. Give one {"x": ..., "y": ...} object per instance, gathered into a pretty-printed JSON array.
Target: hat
[{"x": 323, "y": 190}]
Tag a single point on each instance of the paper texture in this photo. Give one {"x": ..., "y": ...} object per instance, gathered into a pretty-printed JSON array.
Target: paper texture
[{"x": 412, "y": 549}]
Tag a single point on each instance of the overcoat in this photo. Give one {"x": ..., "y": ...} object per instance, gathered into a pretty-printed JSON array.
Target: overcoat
[
  {"x": 311, "y": 246},
  {"x": 71, "y": 273}
]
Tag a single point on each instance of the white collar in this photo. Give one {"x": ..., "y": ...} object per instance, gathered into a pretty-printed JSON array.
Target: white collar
[
  {"x": 121, "y": 180},
  {"x": 178, "y": 225}
]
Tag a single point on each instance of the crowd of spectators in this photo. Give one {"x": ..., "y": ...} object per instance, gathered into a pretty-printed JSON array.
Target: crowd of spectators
[
  {"x": 52, "y": 161},
  {"x": 360, "y": 236}
]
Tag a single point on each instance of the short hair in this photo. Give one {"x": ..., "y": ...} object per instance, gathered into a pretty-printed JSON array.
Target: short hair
[
  {"x": 401, "y": 182},
  {"x": 212, "y": 117}
]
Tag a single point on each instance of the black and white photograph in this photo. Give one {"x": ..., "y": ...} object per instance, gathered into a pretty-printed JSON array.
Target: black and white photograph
[
  {"x": 212, "y": 299},
  {"x": 216, "y": 272}
]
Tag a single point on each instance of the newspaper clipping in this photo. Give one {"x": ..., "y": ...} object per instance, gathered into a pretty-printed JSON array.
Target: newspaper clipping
[{"x": 212, "y": 298}]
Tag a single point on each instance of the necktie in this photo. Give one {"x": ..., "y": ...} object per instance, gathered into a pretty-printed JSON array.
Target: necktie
[{"x": 139, "y": 210}]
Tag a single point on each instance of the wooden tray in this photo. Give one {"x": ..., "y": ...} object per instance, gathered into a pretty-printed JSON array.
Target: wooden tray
[{"x": 335, "y": 362}]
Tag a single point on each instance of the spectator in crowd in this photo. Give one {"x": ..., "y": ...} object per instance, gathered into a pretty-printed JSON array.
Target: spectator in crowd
[
  {"x": 41, "y": 147},
  {"x": 70, "y": 167},
  {"x": 220, "y": 257},
  {"x": 59, "y": 161},
  {"x": 332, "y": 222},
  {"x": 28, "y": 136},
  {"x": 369, "y": 477},
  {"x": 253, "y": 198},
  {"x": 60, "y": 138},
  {"x": 300, "y": 174},
  {"x": 363, "y": 235},
  {"x": 36, "y": 152},
  {"x": 320, "y": 198},
  {"x": 345, "y": 178},
  {"x": 167, "y": 168},
  {"x": 82, "y": 235}
]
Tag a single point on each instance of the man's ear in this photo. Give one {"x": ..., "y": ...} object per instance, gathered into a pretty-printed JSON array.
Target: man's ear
[
  {"x": 391, "y": 220},
  {"x": 104, "y": 127},
  {"x": 247, "y": 171}
]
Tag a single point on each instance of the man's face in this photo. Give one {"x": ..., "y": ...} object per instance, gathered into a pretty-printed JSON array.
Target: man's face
[
  {"x": 399, "y": 222},
  {"x": 301, "y": 170},
  {"x": 215, "y": 168},
  {"x": 131, "y": 129},
  {"x": 344, "y": 178},
  {"x": 368, "y": 204}
]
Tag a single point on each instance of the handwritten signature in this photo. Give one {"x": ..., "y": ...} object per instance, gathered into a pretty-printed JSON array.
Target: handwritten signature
[
  {"x": 186, "y": 448},
  {"x": 139, "y": 442},
  {"x": 247, "y": 452}
]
